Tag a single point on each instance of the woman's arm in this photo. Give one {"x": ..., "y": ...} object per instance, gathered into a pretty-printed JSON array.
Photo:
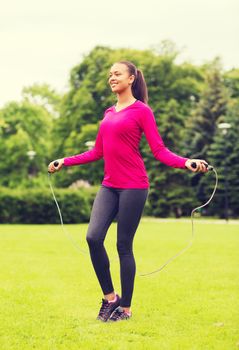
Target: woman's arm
[
  {"x": 89, "y": 156},
  {"x": 86, "y": 157},
  {"x": 159, "y": 150}
]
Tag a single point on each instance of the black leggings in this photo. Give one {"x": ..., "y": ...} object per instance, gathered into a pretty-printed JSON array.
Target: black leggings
[{"x": 128, "y": 205}]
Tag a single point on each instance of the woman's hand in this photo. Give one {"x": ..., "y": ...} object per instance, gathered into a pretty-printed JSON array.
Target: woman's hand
[
  {"x": 53, "y": 168},
  {"x": 201, "y": 165}
]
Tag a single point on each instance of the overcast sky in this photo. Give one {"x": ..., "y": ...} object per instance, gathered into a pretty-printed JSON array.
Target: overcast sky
[{"x": 40, "y": 41}]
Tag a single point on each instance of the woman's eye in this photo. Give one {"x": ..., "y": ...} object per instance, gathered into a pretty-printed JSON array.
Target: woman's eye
[{"x": 115, "y": 74}]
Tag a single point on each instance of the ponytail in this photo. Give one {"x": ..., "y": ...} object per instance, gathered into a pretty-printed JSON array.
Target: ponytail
[{"x": 139, "y": 87}]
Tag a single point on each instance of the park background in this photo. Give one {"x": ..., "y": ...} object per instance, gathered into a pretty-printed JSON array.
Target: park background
[
  {"x": 189, "y": 55},
  {"x": 196, "y": 109},
  {"x": 55, "y": 59}
]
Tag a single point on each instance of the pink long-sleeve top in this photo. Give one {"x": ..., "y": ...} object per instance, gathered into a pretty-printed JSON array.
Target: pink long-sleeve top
[{"x": 118, "y": 142}]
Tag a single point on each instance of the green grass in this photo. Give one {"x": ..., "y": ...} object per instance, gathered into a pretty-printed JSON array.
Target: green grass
[{"x": 49, "y": 296}]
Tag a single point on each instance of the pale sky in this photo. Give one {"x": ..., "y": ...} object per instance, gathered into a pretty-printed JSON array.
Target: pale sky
[{"x": 40, "y": 41}]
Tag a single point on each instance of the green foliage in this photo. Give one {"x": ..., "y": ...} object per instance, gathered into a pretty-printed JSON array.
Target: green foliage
[
  {"x": 223, "y": 154},
  {"x": 212, "y": 105},
  {"x": 26, "y": 128},
  {"x": 44, "y": 96},
  {"x": 26, "y": 136},
  {"x": 36, "y": 206},
  {"x": 231, "y": 81},
  {"x": 204, "y": 139}
]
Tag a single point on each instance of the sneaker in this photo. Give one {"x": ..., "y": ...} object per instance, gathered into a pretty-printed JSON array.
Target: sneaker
[
  {"x": 107, "y": 308},
  {"x": 119, "y": 314}
]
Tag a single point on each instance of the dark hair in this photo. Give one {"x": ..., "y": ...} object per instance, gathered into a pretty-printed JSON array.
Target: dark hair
[{"x": 139, "y": 87}]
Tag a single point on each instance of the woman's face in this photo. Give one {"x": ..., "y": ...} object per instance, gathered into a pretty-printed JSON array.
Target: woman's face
[{"x": 119, "y": 78}]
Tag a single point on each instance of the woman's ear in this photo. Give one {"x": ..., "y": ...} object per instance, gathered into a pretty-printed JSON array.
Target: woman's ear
[{"x": 132, "y": 79}]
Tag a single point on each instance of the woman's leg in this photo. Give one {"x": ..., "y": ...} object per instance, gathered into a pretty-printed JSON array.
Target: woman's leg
[
  {"x": 131, "y": 205},
  {"x": 104, "y": 210}
]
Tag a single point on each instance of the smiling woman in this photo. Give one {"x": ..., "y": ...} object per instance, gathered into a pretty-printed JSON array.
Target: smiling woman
[
  {"x": 125, "y": 185},
  {"x": 124, "y": 80}
]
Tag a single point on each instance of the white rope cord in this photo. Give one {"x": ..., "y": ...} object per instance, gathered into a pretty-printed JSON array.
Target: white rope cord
[
  {"x": 79, "y": 249},
  {"x": 69, "y": 237},
  {"x": 192, "y": 236}
]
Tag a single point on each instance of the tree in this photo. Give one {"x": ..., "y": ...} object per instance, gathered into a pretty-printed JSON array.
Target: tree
[
  {"x": 170, "y": 192},
  {"x": 231, "y": 81},
  {"x": 212, "y": 105},
  {"x": 24, "y": 127},
  {"x": 223, "y": 154},
  {"x": 44, "y": 96},
  {"x": 202, "y": 125}
]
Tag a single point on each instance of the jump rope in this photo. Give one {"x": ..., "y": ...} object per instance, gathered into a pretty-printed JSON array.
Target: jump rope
[{"x": 80, "y": 250}]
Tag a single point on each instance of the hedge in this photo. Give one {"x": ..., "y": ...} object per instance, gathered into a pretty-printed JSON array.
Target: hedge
[{"x": 36, "y": 206}]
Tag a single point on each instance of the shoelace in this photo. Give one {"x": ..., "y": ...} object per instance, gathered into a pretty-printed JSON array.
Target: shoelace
[{"x": 104, "y": 307}]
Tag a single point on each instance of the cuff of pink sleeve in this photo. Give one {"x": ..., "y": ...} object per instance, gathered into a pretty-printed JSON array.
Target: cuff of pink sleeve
[
  {"x": 184, "y": 163},
  {"x": 65, "y": 163}
]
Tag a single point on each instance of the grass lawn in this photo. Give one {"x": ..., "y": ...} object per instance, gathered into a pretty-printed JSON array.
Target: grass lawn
[{"x": 49, "y": 295}]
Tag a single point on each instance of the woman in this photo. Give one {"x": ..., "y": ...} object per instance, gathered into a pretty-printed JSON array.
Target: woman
[{"x": 125, "y": 185}]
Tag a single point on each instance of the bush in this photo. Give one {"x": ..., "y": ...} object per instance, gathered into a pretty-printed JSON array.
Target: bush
[{"x": 36, "y": 206}]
